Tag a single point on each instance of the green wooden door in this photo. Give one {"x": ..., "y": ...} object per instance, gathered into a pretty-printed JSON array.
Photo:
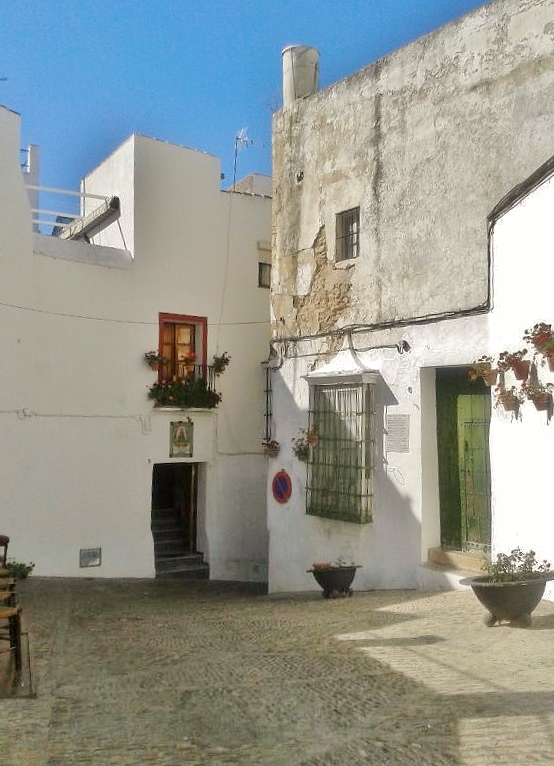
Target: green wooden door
[{"x": 463, "y": 418}]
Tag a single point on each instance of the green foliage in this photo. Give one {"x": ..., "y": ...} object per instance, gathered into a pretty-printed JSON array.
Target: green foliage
[
  {"x": 18, "y": 570},
  {"x": 515, "y": 566},
  {"x": 190, "y": 392},
  {"x": 219, "y": 363}
]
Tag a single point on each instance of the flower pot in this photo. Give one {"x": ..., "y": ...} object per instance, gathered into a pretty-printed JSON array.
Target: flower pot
[
  {"x": 521, "y": 369},
  {"x": 271, "y": 451},
  {"x": 335, "y": 581},
  {"x": 490, "y": 377},
  {"x": 509, "y": 401},
  {"x": 511, "y": 601},
  {"x": 154, "y": 366},
  {"x": 541, "y": 402}
]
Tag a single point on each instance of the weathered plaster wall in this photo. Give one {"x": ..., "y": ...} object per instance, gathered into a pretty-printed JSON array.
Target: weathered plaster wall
[{"x": 425, "y": 141}]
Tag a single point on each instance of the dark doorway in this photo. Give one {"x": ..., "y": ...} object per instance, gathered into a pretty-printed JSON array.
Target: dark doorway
[
  {"x": 463, "y": 420},
  {"x": 174, "y": 496}
]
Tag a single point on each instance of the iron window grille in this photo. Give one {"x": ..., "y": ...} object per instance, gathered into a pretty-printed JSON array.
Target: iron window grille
[
  {"x": 340, "y": 466},
  {"x": 347, "y": 234}
]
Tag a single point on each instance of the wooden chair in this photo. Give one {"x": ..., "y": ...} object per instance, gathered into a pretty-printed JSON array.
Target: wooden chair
[
  {"x": 11, "y": 616},
  {"x": 4, "y": 542}
]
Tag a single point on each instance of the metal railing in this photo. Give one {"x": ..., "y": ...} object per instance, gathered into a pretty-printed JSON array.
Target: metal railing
[{"x": 60, "y": 223}]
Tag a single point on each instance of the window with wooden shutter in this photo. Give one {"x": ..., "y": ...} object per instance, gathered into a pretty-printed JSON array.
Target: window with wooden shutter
[{"x": 182, "y": 345}]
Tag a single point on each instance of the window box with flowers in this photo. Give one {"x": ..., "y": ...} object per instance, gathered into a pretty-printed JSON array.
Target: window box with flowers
[{"x": 191, "y": 391}]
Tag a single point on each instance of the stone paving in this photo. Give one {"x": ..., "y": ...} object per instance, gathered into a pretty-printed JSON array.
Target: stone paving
[{"x": 136, "y": 673}]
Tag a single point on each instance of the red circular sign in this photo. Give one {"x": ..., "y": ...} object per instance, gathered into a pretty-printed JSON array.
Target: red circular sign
[{"x": 281, "y": 487}]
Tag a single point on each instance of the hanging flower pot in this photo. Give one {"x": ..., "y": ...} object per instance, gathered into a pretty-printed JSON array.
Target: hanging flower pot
[
  {"x": 509, "y": 401},
  {"x": 521, "y": 369},
  {"x": 153, "y": 360},
  {"x": 490, "y": 377},
  {"x": 513, "y": 360},
  {"x": 538, "y": 393},
  {"x": 541, "y": 402},
  {"x": 270, "y": 447}
]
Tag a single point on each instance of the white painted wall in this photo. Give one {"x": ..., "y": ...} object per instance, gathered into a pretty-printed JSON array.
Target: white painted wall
[
  {"x": 406, "y": 504},
  {"x": 81, "y": 435}
]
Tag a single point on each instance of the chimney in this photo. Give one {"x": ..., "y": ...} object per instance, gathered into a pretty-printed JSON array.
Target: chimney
[{"x": 300, "y": 72}]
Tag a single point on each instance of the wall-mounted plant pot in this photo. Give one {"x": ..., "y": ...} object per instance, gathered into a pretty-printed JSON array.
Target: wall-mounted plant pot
[
  {"x": 509, "y": 402},
  {"x": 521, "y": 369},
  {"x": 335, "y": 581},
  {"x": 490, "y": 377},
  {"x": 542, "y": 402},
  {"x": 271, "y": 451},
  {"x": 511, "y": 601}
]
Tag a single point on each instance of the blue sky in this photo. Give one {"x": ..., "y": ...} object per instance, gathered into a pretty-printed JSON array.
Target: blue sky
[{"x": 86, "y": 74}]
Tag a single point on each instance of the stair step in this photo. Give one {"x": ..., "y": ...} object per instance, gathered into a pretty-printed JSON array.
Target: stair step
[
  {"x": 171, "y": 538},
  {"x": 199, "y": 573},
  {"x": 179, "y": 562},
  {"x": 170, "y": 549}
]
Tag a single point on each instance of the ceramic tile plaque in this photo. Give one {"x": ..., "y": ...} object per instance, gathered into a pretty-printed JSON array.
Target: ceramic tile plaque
[
  {"x": 398, "y": 433},
  {"x": 181, "y": 438}
]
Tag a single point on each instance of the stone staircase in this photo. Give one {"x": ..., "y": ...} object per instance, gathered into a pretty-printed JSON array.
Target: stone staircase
[{"x": 172, "y": 556}]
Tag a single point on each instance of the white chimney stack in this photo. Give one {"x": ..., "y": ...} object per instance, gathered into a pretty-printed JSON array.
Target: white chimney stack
[{"x": 300, "y": 72}]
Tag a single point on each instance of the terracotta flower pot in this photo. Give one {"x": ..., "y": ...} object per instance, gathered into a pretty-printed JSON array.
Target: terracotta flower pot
[
  {"x": 541, "y": 402},
  {"x": 509, "y": 401},
  {"x": 490, "y": 377},
  {"x": 521, "y": 369}
]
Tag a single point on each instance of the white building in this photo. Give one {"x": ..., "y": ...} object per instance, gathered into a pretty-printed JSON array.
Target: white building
[
  {"x": 390, "y": 277},
  {"x": 86, "y": 460}
]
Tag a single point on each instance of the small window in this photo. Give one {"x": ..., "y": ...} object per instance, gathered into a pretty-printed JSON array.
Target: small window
[
  {"x": 347, "y": 234},
  {"x": 182, "y": 345},
  {"x": 264, "y": 275},
  {"x": 340, "y": 465}
]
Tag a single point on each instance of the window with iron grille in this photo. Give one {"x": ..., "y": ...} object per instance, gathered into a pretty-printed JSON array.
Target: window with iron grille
[
  {"x": 347, "y": 234},
  {"x": 182, "y": 345},
  {"x": 340, "y": 466}
]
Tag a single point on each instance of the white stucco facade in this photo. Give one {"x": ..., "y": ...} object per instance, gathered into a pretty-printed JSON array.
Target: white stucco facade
[
  {"x": 425, "y": 142},
  {"x": 80, "y": 435}
]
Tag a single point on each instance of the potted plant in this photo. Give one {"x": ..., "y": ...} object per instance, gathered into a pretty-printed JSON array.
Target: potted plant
[
  {"x": 513, "y": 586},
  {"x": 538, "y": 393},
  {"x": 270, "y": 447},
  {"x": 509, "y": 398},
  {"x": 513, "y": 360},
  {"x": 302, "y": 443},
  {"x": 185, "y": 392},
  {"x": 334, "y": 577},
  {"x": 482, "y": 368},
  {"x": 153, "y": 359},
  {"x": 219, "y": 363},
  {"x": 18, "y": 569},
  {"x": 542, "y": 338}
]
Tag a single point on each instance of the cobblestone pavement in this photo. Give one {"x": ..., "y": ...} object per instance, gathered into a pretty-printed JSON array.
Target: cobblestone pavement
[{"x": 202, "y": 674}]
